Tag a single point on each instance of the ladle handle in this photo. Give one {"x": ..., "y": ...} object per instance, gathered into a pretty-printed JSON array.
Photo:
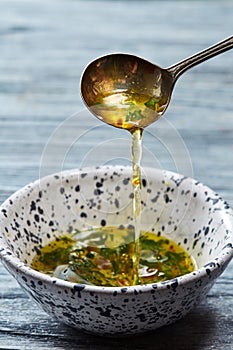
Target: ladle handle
[{"x": 179, "y": 68}]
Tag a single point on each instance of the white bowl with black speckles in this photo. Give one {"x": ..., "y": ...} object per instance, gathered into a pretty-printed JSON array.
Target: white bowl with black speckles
[{"x": 178, "y": 207}]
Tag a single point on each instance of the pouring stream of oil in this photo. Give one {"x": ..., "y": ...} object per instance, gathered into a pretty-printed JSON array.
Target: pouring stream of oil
[{"x": 136, "y": 182}]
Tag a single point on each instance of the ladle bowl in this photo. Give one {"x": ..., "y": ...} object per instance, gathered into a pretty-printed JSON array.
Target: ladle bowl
[{"x": 129, "y": 92}]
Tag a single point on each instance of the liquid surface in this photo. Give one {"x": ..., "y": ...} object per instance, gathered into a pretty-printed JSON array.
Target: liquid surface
[
  {"x": 127, "y": 110},
  {"x": 104, "y": 257}
]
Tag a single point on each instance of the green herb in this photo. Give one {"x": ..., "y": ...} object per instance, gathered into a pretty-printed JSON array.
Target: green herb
[
  {"x": 105, "y": 257},
  {"x": 134, "y": 116},
  {"x": 152, "y": 103}
]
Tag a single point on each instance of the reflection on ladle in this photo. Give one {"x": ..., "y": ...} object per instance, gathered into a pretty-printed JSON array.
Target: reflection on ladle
[{"x": 129, "y": 92}]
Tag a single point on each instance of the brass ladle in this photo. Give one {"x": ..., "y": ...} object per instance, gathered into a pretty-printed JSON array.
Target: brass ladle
[{"x": 129, "y": 92}]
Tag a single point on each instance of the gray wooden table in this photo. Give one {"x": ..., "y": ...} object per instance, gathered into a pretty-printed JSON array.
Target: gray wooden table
[{"x": 44, "y": 46}]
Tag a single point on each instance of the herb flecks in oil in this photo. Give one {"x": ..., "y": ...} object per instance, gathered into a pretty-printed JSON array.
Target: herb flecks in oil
[{"x": 104, "y": 257}]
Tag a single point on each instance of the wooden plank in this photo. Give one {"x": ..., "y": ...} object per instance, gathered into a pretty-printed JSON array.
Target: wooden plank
[{"x": 44, "y": 48}]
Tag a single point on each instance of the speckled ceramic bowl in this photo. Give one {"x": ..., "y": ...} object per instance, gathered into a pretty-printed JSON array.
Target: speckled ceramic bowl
[{"x": 178, "y": 207}]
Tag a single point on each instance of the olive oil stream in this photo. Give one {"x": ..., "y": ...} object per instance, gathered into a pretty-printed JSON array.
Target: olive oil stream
[{"x": 137, "y": 210}]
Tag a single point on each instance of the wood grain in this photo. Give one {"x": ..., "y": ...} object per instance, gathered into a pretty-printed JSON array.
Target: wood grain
[{"x": 44, "y": 47}]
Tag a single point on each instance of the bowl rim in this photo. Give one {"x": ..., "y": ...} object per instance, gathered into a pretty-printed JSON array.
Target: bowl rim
[{"x": 12, "y": 262}]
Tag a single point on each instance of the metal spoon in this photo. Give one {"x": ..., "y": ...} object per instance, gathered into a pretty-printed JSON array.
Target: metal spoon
[{"x": 129, "y": 92}]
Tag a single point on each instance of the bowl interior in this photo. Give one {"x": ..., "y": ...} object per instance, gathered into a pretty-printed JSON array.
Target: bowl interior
[{"x": 173, "y": 206}]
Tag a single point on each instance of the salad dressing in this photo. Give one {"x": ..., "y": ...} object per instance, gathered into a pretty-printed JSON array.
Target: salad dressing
[{"x": 104, "y": 256}]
